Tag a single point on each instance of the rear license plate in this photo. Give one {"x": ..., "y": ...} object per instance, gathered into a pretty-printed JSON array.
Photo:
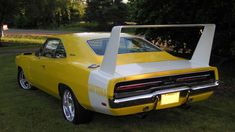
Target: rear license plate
[{"x": 170, "y": 98}]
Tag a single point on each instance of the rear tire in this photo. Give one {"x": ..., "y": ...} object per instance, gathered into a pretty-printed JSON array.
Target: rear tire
[
  {"x": 72, "y": 110},
  {"x": 22, "y": 81}
]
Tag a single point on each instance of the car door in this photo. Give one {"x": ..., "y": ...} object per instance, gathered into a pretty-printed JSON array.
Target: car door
[
  {"x": 50, "y": 63},
  {"x": 54, "y": 65},
  {"x": 36, "y": 68}
]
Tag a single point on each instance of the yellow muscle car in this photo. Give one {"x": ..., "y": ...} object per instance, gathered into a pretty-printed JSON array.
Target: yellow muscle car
[{"x": 117, "y": 73}]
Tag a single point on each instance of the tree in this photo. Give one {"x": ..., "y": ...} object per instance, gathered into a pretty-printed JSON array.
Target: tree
[
  {"x": 47, "y": 13},
  {"x": 7, "y": 10},
  {"x": 40, "y": 13},
  {"x": 106, "y": 11},
  {"x": 190, "y": 11}
]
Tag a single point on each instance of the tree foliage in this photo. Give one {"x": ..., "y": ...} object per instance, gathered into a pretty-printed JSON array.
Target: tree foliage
[
  {"x": 105, "y": 12},
  {"x": 220, "y": 12},
  {"x": 7, "y": 9},
  {"x": 40, "y": 13}
]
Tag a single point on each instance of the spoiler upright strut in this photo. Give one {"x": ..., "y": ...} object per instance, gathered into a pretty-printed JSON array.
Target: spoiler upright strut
[{"x": 201, "y": 54}]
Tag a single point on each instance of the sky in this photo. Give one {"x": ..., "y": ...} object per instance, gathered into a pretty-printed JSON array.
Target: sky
[{"x": 125, "y": 1}]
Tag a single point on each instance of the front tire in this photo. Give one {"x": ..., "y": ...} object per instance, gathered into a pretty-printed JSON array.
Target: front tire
[
  {"x": 22, "y": 81},
  {"x": 72, "y": 110}
]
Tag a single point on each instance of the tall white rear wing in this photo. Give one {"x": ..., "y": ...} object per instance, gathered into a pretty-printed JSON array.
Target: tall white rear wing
[{"x": 201, "y": 54}]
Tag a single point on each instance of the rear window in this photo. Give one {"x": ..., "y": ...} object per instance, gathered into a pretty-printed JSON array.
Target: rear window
[{"x": 127, "y": 45}]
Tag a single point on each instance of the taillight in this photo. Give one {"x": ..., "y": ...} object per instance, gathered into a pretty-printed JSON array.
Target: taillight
[
  {"x": 149, "y": 85},
  {"x": 138, "y": 86},
  {"x": 193, "y": 78}
]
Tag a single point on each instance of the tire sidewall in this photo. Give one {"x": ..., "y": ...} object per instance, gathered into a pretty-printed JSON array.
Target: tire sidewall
[
  {"x": 76, "y": 118},
  {"x": 20, "y": 71}
]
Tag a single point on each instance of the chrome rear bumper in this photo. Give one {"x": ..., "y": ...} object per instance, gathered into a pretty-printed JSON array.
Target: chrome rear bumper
[{"x": 150, "y": 98}]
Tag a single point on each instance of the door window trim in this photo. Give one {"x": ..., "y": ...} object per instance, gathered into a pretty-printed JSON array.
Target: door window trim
[{"x": 44, "y": 45}]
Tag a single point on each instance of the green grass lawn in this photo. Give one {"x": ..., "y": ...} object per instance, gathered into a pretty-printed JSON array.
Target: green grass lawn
[
  {"x": 79, "y": 27},
  {"x": 36, "y": 111},
  {"x": 21, "y": 39}
]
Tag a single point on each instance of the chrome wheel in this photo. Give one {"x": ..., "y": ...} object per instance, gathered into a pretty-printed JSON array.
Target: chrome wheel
[
  {"x": 23, "y": 81},
  {"x": 68, "y": 106}
]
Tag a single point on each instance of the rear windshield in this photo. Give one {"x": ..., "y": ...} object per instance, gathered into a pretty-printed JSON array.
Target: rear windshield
[{"x": 127, "y": 45}]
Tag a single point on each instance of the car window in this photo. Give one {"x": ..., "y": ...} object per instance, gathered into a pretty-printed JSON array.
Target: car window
[
  {"x": 60, "y": 51},
  {"x": 127, "y": 45},
  {"x": 53, "y": 48}
]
